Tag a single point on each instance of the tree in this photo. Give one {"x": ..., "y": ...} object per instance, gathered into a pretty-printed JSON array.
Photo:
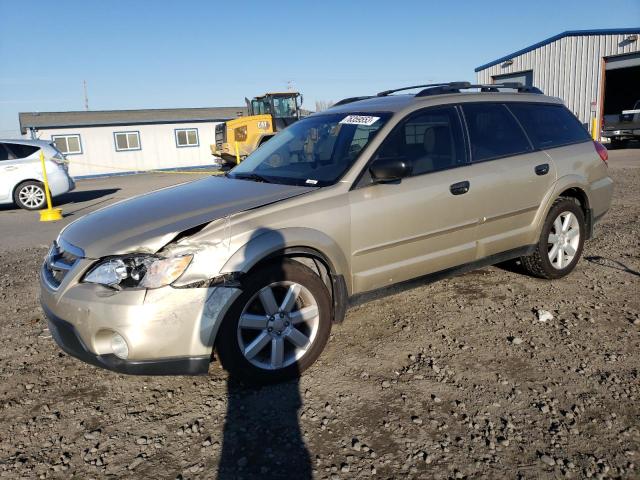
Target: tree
[{"x": 322, "y": 105}]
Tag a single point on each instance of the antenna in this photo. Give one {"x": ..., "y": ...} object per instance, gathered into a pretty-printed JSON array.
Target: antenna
[
  {"x": 290, "y": 85},
  {"x": 86, "y": 97}
]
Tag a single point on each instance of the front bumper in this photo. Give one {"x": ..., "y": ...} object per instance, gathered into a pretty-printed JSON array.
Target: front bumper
[
  {"x": 168, "y": 330},
  {"x": 68, "y": 339}
]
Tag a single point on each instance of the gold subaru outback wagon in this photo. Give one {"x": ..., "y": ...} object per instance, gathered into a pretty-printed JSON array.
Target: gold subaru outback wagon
[{"x": 258, "y": 264}]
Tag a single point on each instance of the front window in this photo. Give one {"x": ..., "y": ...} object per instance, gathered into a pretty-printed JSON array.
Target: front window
[
  {"x": 284, "y": 107},
  {"x": 315, "y": 151},
  {"x": 260, "y": 107}
]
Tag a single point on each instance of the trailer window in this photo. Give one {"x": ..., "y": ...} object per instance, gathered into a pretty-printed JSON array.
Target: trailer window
[{"x": 67, "y": 144}]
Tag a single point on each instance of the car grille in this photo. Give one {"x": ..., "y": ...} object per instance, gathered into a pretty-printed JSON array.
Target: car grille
[
  {"x": 62, "y": 257},
  {"x": 221, "y": 134}
]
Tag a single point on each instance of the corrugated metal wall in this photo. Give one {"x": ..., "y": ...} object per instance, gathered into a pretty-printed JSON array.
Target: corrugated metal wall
[{"x": 569, "y": 68}]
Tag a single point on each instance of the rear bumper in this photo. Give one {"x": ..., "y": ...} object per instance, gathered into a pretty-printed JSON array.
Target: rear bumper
[
  {"x": 622, "y": 134},
  {"x": 68, "y": 339}
]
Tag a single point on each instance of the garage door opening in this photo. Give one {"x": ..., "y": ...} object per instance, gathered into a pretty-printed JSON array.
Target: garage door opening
[
  {"x": 622, "y": 89},
  {"x": 621, "y": 93}
]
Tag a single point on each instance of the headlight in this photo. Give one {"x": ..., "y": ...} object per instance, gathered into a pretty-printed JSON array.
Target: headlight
[{"x": 138, "y": 271}]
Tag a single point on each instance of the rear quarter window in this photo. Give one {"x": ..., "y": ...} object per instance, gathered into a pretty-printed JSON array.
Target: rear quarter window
[
  {"x": 21, "y": 151},
  {"x": 549, "y": 126},
  {"x": 4, "y": 153}
]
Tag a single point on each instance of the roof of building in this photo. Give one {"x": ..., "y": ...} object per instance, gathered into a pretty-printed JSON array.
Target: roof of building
[
  {"x": 94, "y": 118},
  {"x": 568, "y": 33}
]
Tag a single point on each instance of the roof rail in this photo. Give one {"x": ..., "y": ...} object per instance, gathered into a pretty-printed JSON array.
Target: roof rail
[
  {"x": 444, "y": 88},
  {"x": 384, "y": 93},
  {"x": 455, "y": 87},
  {"x": 344, "y": 101}
]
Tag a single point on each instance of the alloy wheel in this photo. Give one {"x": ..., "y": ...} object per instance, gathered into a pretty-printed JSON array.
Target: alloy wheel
[
  {"x": 278, "y": 325},
  {"x": 31, "y": 196},
  {"x": 563, "y": 240}
]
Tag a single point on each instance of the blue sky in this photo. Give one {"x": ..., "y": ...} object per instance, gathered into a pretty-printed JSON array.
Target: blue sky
[{"x": 154, "y": 54}]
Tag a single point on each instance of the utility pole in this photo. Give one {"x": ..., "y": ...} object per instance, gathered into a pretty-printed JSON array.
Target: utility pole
[{"x": 86, "y": 97}]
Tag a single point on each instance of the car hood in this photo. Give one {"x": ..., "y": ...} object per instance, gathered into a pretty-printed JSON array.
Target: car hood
[{"x": 148, "y": 222}]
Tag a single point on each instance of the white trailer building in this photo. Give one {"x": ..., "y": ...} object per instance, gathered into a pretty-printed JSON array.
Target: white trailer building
[
  {"x": 118, "y": 141},
  {"x": 595, "y": 72}
]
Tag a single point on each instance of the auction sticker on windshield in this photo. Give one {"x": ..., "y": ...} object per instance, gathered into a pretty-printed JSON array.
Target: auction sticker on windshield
[{"x": 359, "y": 120}]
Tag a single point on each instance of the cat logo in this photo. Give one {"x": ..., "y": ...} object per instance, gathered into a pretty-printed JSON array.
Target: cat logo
[{"x": 263, "y": 125}]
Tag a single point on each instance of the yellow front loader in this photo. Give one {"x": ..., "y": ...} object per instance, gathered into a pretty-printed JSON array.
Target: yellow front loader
[{"x": 268, "y": 114}]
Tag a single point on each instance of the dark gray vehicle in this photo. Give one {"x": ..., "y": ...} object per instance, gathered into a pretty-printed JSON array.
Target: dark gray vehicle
[
  {"x": 260, "y": 263},
  {"x": 621, "y": 129}
]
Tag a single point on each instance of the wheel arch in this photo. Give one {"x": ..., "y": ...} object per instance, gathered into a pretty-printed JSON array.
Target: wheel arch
[
  {"x": 303, "y": 245},
  {"x": 25, "y": 180},
  {"x": 570, "y": 186}
]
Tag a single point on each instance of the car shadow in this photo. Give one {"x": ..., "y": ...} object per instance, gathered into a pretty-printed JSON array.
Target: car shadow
[
  {"x": 262, "y": 438},
  {"x": 84, "y": 195},
  {"x": 630, "y": 145},
  {"x": 74, "y": 197},
  {"x": 613, "y": 264}
]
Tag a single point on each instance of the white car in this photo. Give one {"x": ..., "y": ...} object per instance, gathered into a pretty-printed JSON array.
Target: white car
[{"x": 21, "y": 178}]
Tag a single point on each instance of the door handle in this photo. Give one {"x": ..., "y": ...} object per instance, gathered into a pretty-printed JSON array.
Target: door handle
[
  {"x": 11, "y": 167},
  {"x": 459, "y": 188},
  {"x": 542, "y": 169}
]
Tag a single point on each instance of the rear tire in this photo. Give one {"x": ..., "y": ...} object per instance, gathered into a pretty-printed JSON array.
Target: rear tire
[
  {"x": 278, "y": 326},
  {"x": 30, "y": 195},
  {"x": 561, "y": 241}
]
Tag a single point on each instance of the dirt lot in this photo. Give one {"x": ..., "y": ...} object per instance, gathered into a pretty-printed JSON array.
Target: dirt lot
[{"x": 455, "y": 379}]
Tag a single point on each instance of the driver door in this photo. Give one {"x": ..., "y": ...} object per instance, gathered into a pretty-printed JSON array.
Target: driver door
[{"x": 426, "y": 222}]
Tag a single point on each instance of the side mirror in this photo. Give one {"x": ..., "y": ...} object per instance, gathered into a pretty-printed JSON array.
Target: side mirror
[{"x": 389, "y": 169}]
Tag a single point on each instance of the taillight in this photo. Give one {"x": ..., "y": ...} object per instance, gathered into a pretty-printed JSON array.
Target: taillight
[
  {"x": 59, "y": 158},
  {"x": 602, "y": 151}
]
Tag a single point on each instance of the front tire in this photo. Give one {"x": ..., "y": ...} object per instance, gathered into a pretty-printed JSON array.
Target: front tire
[
  {"x": 561, "y": 241},
  {"x": 278, "y": 326},
  {"x": 30, "y": 195}
]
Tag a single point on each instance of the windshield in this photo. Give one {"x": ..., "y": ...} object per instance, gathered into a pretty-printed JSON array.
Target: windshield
[{"x": 315, "y": 151}]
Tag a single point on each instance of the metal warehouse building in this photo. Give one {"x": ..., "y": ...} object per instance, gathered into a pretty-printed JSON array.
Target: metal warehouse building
[
  {"x": 99, "y": 142},
  {"x": 595, "y": 72}
]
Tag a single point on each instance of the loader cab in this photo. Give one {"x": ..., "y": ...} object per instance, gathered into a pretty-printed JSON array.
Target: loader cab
[{"x": 283, "y": 107}]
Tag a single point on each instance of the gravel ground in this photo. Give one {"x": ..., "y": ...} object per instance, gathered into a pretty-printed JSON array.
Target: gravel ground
[{"x": 455, "y": 379}]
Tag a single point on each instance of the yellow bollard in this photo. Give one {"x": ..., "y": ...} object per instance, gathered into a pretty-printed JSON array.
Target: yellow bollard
[
  {"x": 237, "y": 154},
  {"x": 50, "y": 214},
  {"x": 594, "y": 129}
]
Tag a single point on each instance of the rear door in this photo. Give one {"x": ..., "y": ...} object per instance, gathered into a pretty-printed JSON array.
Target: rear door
[
  {"x": 511, "y": 177},
  {"x": 5, "y": 188},
  {"x": 14, "y": 166},
  {"x": 424, "y": 223}
]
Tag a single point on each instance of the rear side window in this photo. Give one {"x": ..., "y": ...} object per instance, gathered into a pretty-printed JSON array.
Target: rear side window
[
  {"x": 493, "y": 132},
  {"x": 19, "y": 150},
  {"x": 429, "y": 140},
  {"x": 549, "y": 126},
  {"x": 4, "y": 153}
]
